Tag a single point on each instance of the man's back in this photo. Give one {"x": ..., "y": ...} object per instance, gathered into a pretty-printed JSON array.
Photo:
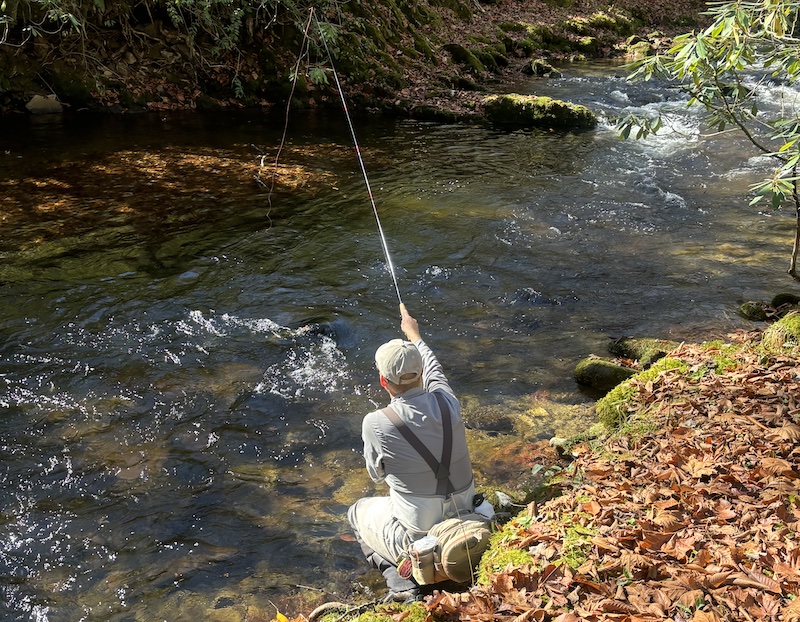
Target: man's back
[{"x": 390, "y": 457}]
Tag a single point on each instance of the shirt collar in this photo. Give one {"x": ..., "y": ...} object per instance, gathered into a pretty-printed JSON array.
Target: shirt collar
[{"x": 409, "y": 394}]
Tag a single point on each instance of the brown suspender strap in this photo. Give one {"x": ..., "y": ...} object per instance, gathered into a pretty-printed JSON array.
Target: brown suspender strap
[{"x": 441, "y": 469}]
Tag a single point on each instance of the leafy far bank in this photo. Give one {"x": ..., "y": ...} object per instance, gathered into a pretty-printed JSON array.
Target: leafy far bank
[
  {"x": 423, "y": 58},
  {"x": 688, "y": 509}
]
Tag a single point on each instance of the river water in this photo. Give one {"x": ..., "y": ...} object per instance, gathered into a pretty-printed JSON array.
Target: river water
[{"x": 178, "y": 444}]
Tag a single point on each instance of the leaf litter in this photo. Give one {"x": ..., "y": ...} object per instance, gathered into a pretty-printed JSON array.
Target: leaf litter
[{"x": 693, "y": 509}]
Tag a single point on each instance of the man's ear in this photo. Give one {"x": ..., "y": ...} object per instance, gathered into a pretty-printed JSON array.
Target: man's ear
[{"x": 383, "y": 382}]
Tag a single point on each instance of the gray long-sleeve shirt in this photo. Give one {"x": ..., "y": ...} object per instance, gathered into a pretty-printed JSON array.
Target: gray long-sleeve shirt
[{"x": 390, "y": 458}]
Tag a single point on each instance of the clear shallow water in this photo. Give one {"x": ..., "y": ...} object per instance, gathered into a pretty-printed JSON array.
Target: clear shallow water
[{"x": 174, "y": 442}]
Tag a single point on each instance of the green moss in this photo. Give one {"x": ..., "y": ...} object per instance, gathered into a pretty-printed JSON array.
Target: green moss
[
  {"x": 531, "y": 111},
  {"x": 578, "y": 25},
  {"x": 601, "y": 374},
  {"x": 528, "y": 47},
  {"x": 616, "y": 23},
  {"x": 489, "y": 60},
  {"x": 423, "y": 46},
  {"x": 546, "y": 37},
  {"x": 724, "y": 355},
  {"x": 783, "y": 337},
  {"x": 502, "y": 553},
  {"x": 358, "y": 62},
  {"x": 463, "y": 56},
  {"x": 414, "y": 612},
  {"x": 540, "y": 67},
  {"x": 72, "y": 85},
  {"x": 513, "y": 27},
  {"x": 388, "y": 61},
  {"x": 589, "y": 45},
  {"x": 641, "y": 49},
  {"x": 645, "y": 350},
  {"x": 416, "y": 12},
  {"x": 409, "y": 52},
  {"x": 753, "y": 311},
  {"x": 375, "y": 34},
  {"x": 603, "y": 20},
  {"x": 612, "y": 409},
  {"x": 577, "y": 543}
]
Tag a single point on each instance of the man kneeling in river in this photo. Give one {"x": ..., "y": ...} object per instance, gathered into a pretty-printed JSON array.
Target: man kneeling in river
[{"x": 421, "y": 399}]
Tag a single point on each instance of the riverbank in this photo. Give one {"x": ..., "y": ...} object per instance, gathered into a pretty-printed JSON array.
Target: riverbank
[
  {"x": 419, "y": 59},
  {"x": 688, "y": 510}
]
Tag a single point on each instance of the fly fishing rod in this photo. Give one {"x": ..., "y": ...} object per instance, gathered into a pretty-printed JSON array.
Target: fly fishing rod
[{"x": 360, "y": 159}]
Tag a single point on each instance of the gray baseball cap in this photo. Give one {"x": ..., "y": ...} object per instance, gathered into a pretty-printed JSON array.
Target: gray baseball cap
[{"x": 399, "y": 361}]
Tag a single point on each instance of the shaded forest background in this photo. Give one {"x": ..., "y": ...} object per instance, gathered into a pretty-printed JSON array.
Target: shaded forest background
[{"x": 202, "y": 54}]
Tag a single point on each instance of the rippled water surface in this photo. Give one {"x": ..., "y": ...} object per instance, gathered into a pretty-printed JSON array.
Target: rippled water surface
[{"x": 185, "y": 363}]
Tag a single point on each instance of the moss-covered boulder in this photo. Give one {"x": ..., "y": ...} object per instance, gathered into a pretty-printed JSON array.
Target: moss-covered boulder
[
  {"x": 644, "y": 350},
  {"x": 640, "y": 50},
  {"x": 601, "y": 374},
  {"x": 532, "y": 111},
  {"x": 783, "y": 337},
  {"x": 785, "y": 298},
  {"x": 465, "y": 57},
  {"x": 612, "y": 410},
  {"x": 753, "y": 310},
  {"x": 541, "y": 68}
]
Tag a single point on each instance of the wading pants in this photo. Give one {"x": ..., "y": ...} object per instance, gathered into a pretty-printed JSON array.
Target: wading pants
[{"x": 382, "y": 539}]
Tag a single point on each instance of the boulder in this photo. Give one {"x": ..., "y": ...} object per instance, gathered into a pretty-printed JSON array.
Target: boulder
[
  {"x": 532, "y": 111},
  {"x": 44, "y": 105},
  {"x": 601, "y": 374},
  {"x": 753, "y": 310},
  {"x": 785, "y": 299},
  {"x": 645, "y": 350},
  {"x": 541, "y": 68},
  {"x": 612, "y": 409},
  {"x": 640, "y": 50}
]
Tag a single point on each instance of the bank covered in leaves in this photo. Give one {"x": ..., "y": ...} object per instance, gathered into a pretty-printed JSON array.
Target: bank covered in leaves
[
  {"x": 689, "y": 509},
  {"x": 421, "y": 58}
]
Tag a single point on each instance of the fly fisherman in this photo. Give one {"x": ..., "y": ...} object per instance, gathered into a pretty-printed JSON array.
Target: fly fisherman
[{"x": 421, "y": 399}]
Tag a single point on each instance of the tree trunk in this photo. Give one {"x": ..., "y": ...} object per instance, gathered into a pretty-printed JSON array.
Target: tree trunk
[{"x": 796, "y": 246}]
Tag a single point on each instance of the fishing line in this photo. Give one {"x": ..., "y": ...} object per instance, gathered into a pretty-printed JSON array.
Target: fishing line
[
  {"x": 360, "y": 159},
  {"x": 303, "y": 53}
]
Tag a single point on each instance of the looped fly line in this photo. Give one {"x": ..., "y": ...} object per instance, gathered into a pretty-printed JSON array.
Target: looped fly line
[{"x": 384, "y": 245}]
